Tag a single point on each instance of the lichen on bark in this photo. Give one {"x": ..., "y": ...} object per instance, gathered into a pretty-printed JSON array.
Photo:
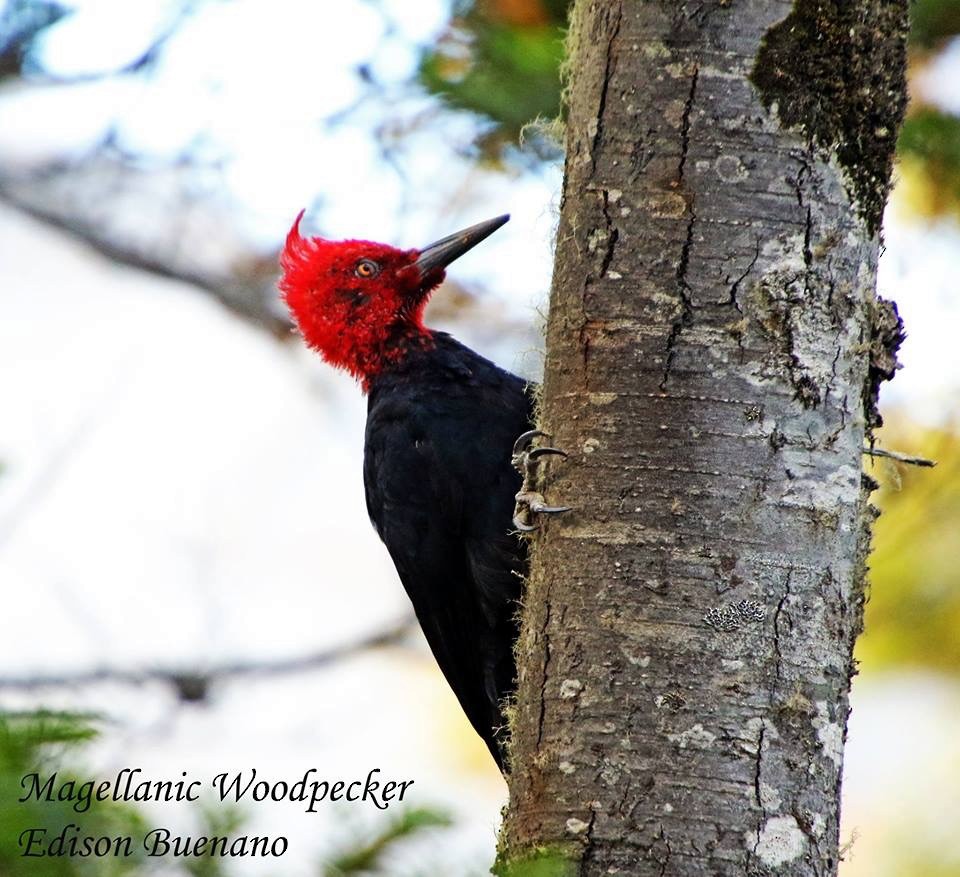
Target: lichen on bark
[{"x": 837, "y": 72}]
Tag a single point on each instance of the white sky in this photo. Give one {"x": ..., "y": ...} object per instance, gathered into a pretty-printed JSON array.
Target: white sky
[
  {"x": 251, "y": 80},
  {"x": 182, "y": 490}
]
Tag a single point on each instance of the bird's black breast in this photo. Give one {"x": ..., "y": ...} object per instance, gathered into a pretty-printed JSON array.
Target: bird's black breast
[{"x": 440, "y": 491}]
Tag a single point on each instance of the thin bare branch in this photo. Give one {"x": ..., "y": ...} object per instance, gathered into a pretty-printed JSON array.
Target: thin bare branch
[
  {"x": 193, "y": 684},
  {"x": 900, "y": 458},
  {"x": 150, "y": 219}
]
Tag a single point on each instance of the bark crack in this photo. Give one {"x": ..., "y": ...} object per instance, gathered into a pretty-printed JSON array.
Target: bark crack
[
  {"x": 776, "y": 623},
  {"x": 735, "y": 286},
  {"x": 607, "y": 75},
  {"x": 685, "y": 318},
  {"x": 685, "y": 123},
  {"x": 546, "y": 671},
  {"x": 756, "y": 772},
  {"x": 664, "y": 860},
  {"x": 807, "y": 227},
  {"x": 588, "y": 835},
  {"x": 612, "y": 235},
  {"x": 804, "y": 822},
  {"x": 826, "y": 393}
]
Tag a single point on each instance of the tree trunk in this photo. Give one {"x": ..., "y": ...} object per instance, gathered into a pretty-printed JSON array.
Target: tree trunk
[{"x": 714, "y": 348}]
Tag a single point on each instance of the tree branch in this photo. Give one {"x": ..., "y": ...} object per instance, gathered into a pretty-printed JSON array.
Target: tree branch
[
  {"x": 152, "y": 219},
  {"x": 900, "y": 458},
  {"x": 193, "y": 684}
]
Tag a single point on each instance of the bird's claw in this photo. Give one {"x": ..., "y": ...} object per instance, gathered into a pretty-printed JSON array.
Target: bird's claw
[
  {"x": 538, "y": 508},
  {"x": 544, "y": 452},
  {"x": 529, "y": 502},
  {"x": 524, "y": 441}
]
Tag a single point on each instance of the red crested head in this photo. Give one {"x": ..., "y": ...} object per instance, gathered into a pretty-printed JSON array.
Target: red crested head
[{"x": 360, "y": 304}]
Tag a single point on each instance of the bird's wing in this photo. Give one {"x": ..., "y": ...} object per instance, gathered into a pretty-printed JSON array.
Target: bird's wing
[{"x": 439, "y": 489}]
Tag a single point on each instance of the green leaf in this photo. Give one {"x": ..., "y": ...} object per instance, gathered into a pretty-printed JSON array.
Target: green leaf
[
  {"x": 932, "y": 21},
  {"x": 366, "y": 856}
]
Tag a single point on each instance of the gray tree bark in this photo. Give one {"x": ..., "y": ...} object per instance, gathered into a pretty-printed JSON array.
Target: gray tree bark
[{"x": 714, "y": 347}]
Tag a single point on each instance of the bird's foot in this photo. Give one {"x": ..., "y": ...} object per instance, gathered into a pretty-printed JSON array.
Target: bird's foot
[{"x": 529, "y": 501}]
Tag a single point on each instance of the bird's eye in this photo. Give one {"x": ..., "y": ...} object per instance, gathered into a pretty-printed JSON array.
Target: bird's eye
[{"x": 366, "y": 268}]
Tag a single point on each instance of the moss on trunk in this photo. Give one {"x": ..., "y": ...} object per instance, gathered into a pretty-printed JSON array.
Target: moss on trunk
[{"x": 836, "y": 71}]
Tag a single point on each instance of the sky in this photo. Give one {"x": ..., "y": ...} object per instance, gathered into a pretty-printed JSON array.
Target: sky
[
  {"x": 261, "y": 123},
  {"x": 253, "y": 107},
  {"x": 196, "y": 509}
]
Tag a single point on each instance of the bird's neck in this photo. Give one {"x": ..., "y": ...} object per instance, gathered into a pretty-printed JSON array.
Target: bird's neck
[{"x": 392, "y": 354}]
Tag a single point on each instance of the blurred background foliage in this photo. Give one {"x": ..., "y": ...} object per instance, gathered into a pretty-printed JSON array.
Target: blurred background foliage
[
  {"x": 369, "y": 852},
  {"x": 48, "y": 742},
  {"x": 501, "y": 60},
  {"x": 932, "y": 22},
  {"x": 913, "y": 613},
  {"x": 929, "y": 144}
]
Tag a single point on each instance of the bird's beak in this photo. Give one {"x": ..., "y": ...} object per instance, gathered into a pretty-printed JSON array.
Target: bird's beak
[{"x": 441, "y": 253}]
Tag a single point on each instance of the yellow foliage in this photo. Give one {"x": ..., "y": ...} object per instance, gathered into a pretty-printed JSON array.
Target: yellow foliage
[{"x": 913, "y": 612}]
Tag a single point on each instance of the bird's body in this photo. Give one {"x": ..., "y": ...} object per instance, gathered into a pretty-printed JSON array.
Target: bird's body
[
  {"x": 441, "y": 426},
  {"x": 440, "y": 491}
]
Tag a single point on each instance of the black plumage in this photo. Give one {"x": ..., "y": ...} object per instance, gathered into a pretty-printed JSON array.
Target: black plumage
[{"x": 440, "y": 491}]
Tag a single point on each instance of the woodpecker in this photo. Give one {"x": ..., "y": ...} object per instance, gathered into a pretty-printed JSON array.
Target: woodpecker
[{"x": 450, "y": 453}]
